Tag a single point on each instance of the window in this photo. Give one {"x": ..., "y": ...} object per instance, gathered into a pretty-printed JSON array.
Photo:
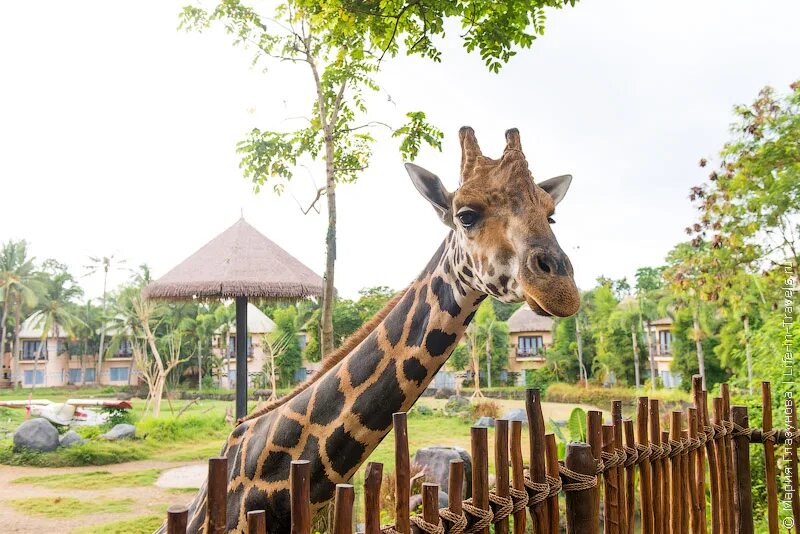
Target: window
[
  {"x": 89, "y": 374},
  {"x": 74, "y": 376},
  {"x": 119, "y": 374},
  {"x": 232, "y": 345},
  {"x": 30, "y": 350},
  {"x": 28, "y": 378},
  {"x": 664, "y": 341},
  {"x": 529, "y": 345},
  {"x": 125, "y": 348},
  {"x": 302, "y": 340}
]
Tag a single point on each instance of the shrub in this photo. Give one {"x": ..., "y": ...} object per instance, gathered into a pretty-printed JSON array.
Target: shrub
[
  {"x": 539, "y": 378},
  {"x": 602, "y": 397},
  {"x": 183, "y": 428},
  {"x": 486, "y": 409}
]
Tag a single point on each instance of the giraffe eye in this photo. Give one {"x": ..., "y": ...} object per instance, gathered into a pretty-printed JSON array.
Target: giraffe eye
[
  {"x": 551, "y": 220},
  {"x": 468, "y": 218}
]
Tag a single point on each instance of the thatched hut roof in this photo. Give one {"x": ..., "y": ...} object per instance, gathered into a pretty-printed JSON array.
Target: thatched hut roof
[
  {"x": 240, "y": 262},
  {"x": 526, "y": 320}
]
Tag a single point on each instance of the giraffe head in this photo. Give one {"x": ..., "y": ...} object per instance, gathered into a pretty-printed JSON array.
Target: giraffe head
[{"x": 502, "y": 222}]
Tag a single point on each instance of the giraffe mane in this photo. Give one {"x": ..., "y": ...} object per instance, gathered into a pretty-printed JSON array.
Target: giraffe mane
[{"x": 332, "y": 359}]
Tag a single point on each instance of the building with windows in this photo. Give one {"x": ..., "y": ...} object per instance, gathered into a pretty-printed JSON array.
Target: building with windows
[
  {"x": 52, "y": 364},
  {"x": 530, "y": 335},
  {"x": 259, "y": 326},
  {"x": 660, "y": 335}
]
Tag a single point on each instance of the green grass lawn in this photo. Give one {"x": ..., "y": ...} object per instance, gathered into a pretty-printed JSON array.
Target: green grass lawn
[
  {"x": 145, "y": 524},
  {"x": 93, "y": 479},
  {"x": 70, "y": 506}
]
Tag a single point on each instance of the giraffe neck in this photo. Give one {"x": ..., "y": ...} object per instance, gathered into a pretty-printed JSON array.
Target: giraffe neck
[{"x": 337, "y": 422}]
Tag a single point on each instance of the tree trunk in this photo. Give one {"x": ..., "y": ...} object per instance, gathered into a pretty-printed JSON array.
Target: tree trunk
[
  {"x": 15, "y": 346},
  {"x": 748, "y": 353},
  {"x": 635, "y": 343},
  {"x": 328, "y": 291},
  {"x": 699, "y": 345},
  {"x": 158, "y": 391},
  {"x": 3, "y": 324},
  {"x": 652, "y": 357},
  {"x": 199, "y": 365},
  {"x": 581, "y": 368},
  {"x": 488, "y": 360},
  {"x": 42, "y": 348},
  {"x": 102, "y": 329}
]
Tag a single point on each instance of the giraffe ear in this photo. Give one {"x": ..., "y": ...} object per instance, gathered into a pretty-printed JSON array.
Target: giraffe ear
[
  {"x": 557, "y": 187},
  {"x": 430, "y": 187}
]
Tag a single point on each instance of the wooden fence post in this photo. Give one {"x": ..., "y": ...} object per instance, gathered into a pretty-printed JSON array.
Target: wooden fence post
[
  {"x": 793, "y": 453},
  {"x": 300, "y": 490},
  {"x": 552, "y": 472},
  {"x": 373, "y": 476},
  {"x": 645, "y": 475},
  {"x": 581, "y": 510},
  {"x": 343, "y": 509},
  {"x": 769, "y": 458},
  {"x": 630, "y": 475},
  {"x": 402, "y": 473},
  {"x": 616, "y": 420},
  {"x": 657, "y": 468},
  {"x": 518, "y": 477},
  {"x": 666, "y": 483},
  {"x": 610, "y": 485},
  {"x": 533, "y": 408},
  {"x": 217, "y": 495},
  {"x": 725, "y": 393},
  {"x": 594, "y": 434},
  {"x": 480, "y": 469},
  {"x": 742, "y": 486},
  {"x": 455, "y": 488},
  {"x": 177, "y": 517},
  {"x": 501, "y": 468},
  {"x": 430, "y": 503},
  {"x": 711, "y": 454},
  {"x": 700, "y": 458},
  {"x": 695, "y": 508},
  {"x": 676, "y": 500},
  {"x": 686, "y": 482},
  {"x": 256, "y": 522}
]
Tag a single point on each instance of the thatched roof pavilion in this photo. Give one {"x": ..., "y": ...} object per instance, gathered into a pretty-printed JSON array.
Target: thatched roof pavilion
[{"x": 239, "y": 263}]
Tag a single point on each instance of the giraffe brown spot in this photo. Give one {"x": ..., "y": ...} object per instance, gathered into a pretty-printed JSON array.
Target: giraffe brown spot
[
  {"x": 344, "y": 451},
  {"x": 363, "y": 364},
  {"x": 256, "y": 444},
  {"x": 438, "y": 342},
  {"x": 276, "y": 466},
  {"x": 241, "y": 429},
  {"x": 419, "y": 322},
  {"x": 414, "y": 370},
  {"x": 492, "y": 288},
  {"x": 444, "y": 293},
  {"x": 287, "y": 433},
  {"x": 328, "y": 400},
  {"x": 469, "y": 318},
  {"x": 235, "y": 498},
  {"x": 503, "y": 281},
  {"x": 321, "y": 487},
  {"x": 277, "y": 509},
  {"x": 299, "y": 404},
  {"x": 397, "y": 318},
  {"x": 379, "y": 401},
  {"x": 234, "y": 460}
]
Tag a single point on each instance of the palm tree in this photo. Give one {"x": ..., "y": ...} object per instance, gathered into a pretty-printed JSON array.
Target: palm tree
[
  {"x": 18, "y": 285},
  {"x": 104, "y": 263},
  {"x": 55, "y": 311}
]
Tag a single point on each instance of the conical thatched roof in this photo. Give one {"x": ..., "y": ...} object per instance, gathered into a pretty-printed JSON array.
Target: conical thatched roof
[
  {"x": 526, "y": 320},
  {"x": 240, "y": 262}
]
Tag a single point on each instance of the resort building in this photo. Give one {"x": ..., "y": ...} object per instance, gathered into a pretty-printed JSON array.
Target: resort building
[
  {"x": 660, "y": 335},
  {"x": 52, "y": 365},
  {"x": 259, "y": 326},
  {"x": 530, "y": 335}
]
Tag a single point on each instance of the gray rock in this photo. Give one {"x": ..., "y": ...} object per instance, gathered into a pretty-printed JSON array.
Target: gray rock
[
  {"x": 517, "y": 414},
  {"x": 36, "y": 434},
  {"x": 457, "y": 405},
  {"x": 485, "y": 421},
  {"x": 120, "y": 431},
  {"x": 444, "y": 393},
  {"x": 436, "y": 462},
  {"x": 415, "y": 502},
  {"x": 70, "y": 439}
]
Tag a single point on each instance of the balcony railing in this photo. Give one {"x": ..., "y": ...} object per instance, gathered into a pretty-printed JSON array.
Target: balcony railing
[
  {"x": 123, "y": 353},
  {"x": 530, "y": 353},
  {"x": 232, "y": 351},
  {"x": 664, "y": 350},
  {"x": 30, "y": 356}
]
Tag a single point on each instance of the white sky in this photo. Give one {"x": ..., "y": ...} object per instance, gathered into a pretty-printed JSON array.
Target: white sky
[{"x": 118, "y": 133}]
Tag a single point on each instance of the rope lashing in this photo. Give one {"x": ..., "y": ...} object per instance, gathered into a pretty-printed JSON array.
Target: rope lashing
[
  {"x": 424, "y": 526},
  {"x": 537, "y": 491},
  {"x": 694, "y": 443},
  {"x": 771, "y": 435},
  {"x": 643, "y": 452},
  {"x": 501, "y": 506},
  {"x": 631, "y": 456},
  {"x": 579, "y": 481},
  {"x": 519, "y": 497},
  {"x": 483, "y": 518},
  {"x": 719, "y": 431},
  {"x": 389, "y": 529},
  {"x": 739, "y": 430},
  {"x": 555, "y": 486},
  {"x": 458, "y": 523},
  {"x": 675, "y": 447},
  {"x": 601, "y": 466},
  {"x": 612, "y": 459}
]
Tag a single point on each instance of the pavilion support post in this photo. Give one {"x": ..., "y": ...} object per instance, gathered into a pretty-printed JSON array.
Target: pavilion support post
[{"x": 241, "y": 357}]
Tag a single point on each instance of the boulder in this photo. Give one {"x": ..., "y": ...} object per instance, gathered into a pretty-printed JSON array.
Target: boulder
[
  {"x": 36, "y": 434},
  {"x": 421, "y": 409},
  {"x": 485, "y": 421},
  {"x": 517, "y": 414},
  {"x": 120, "y": 431},
  {"x": 415, "y": 502},
  {"x": 457, "y": 405},
  {"x": 444, "y": 393},
  {"x": 436, "y": 462},
  {"x": 70, "y": 439}
]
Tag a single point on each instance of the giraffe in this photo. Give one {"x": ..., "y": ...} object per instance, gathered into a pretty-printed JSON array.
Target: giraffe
[{"x": 500, "y": 244}]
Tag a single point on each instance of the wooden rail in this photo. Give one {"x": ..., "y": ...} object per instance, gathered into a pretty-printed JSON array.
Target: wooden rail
[{"x": 670, "y": 455}]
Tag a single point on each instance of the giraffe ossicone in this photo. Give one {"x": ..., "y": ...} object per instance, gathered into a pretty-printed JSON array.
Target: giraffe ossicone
[{"x": 500, "y": 244}]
